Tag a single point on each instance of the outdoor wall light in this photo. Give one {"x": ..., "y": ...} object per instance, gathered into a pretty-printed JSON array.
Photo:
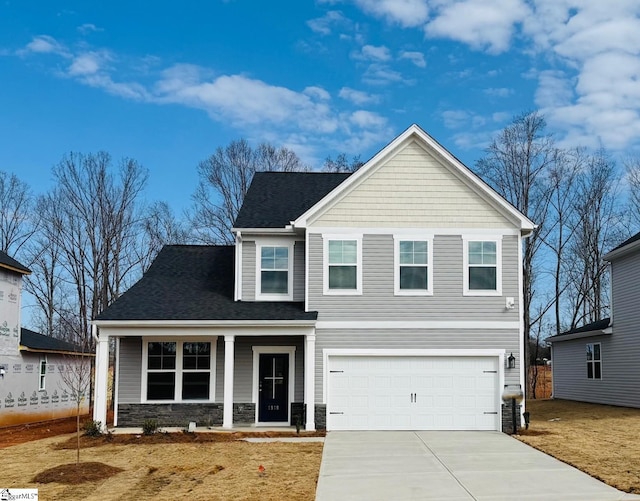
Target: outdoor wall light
[
  {"x": 2, "y": 372},
  {"x": 511, "y": 362}
]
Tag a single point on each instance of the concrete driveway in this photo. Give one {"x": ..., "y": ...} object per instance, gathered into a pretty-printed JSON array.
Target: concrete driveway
[{"x": 404, "y": 465}]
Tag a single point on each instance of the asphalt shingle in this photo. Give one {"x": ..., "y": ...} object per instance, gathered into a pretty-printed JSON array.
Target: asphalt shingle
[
  {"x": 8, "y": 261},
  {"x": 36, "y": 341},
  {"x": 194, "y": 282}
]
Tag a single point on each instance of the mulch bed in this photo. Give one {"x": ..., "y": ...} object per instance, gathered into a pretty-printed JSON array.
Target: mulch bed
[{"x": 76, "y": 473}]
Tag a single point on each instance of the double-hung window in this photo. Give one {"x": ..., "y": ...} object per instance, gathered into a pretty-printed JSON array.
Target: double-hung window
[
  {"x": 482, "y": 267},
  {"x": 274, "y": 270},
  {"x": 343, "y": 265},
  {"x": 42, "y": 373},
  {"x": 594, "y": 361},
  {"x": 178, "y": 371},
  {"x": 413, "y": 270}
]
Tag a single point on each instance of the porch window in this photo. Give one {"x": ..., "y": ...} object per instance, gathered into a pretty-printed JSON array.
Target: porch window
[
  {"x": 594, "y": 361},
  {"x": 179, "y": 370},
  {"x": 161, "y": 376},
  {"x": 196, "y": 375}
]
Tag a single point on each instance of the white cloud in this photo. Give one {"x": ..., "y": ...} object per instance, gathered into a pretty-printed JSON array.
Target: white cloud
[
  {"x": 325, "y": 24},
  {"x": 88, "y": 28},
  {"x": 358, "y": 97},
  {"x": 406, "y": 13},
  {"x": 372, "y": 53},
  {"x": 415, "y": 57},
  {"x": 478, "y": 23},
  {"x": 498, "y": 91},
  {"x": 455, "y": 119},
  {"x": 367, "y": 119},
  {"x": 44, "y": 44},
  {"x": 381, "y": 74},
  {"x": 86, "y": 64}
]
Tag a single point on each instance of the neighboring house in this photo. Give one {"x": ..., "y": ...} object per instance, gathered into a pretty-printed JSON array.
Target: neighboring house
[
  {"x": 388, "y": 299},
  {"x": 31, "y": 385},
  {"x": 598, "y": 362}
]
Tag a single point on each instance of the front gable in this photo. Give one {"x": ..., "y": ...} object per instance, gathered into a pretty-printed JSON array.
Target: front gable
[{"x": 414, "y": 183}]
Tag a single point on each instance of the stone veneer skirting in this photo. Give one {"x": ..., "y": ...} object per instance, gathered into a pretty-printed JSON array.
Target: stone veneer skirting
[
  {"x": 204, "y": 414},
  {"x": 507, "y": 417}
]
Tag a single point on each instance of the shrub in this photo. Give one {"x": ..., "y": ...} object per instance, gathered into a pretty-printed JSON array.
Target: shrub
[
  {"x": 92, "y": 428},
  {"x": 149, "y": 427}
]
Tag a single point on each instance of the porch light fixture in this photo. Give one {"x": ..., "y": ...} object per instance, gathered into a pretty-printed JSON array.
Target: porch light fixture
[{"x": 511, "y": 362}]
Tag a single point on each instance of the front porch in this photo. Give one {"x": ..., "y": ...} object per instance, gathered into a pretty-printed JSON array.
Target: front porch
[{"x": 248, "y": 376}]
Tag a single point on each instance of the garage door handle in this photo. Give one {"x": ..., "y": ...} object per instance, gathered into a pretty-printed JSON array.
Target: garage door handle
[
  {"x": 490, "y": 412},
  {"x": 332, "y": 372},
  {"x": 490, "y": 372},
  {"x": 336, "y": 413}
]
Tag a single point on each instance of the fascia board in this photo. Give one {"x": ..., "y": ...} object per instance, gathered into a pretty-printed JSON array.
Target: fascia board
[{"x": 627, "y": 249}]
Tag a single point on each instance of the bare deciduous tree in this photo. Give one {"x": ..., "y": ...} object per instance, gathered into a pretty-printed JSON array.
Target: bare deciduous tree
[
  {"x": 224, "y": 180},
  {"x": 633, "y": 176},
  {"x": 160, "y": 227},
  {"x": 16, "y": 221},
  {"x": 342, "y": 164}
]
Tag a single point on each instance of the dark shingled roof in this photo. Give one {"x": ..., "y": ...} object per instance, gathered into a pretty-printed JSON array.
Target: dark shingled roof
[
  {"x": 193, "y": 282},
  {"x": 8, "y": 261},
  {"x": 274, "y": 199},
  {"x": 37, "y": 342},
  {"x": 634, "y": 238},
  {"x": 593, "y": 326}
]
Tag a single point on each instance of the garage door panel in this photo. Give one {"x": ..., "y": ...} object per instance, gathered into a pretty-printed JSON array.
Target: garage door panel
[{"x": 404, "y": 393}]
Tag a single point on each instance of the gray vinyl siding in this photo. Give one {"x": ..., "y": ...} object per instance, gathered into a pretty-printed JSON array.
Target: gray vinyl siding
[
  {"x": 620, "y": 350},
  {"x": 447, "y": 302},
  {"x": 243, "y": 367},
  {"x": 129, "y": 370},
  {"x": 248, "y": 271},
  {"x": 298, "y": 271},
  {"x": 507, "y": 339}
]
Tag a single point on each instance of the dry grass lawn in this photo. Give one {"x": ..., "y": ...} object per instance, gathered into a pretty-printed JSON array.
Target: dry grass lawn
[
  {"x": 600, "y": 440},
  {"x": 226, "y": 470}
]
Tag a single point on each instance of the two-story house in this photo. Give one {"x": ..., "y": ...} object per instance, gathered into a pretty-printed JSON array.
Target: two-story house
[
  {"x": 386, "y": 299},
  {"x": 597, "y": 362},
  {"x": 32, "y": 366}
]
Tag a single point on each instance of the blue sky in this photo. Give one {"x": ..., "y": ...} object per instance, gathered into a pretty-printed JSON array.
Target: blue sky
[{"x": 167, "y": 82}]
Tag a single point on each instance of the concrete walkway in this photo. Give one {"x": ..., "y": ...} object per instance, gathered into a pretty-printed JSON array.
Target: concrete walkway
[{"x": 390, "y": 465}]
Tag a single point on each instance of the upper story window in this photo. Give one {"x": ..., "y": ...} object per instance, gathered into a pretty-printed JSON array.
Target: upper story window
[
  {"x": 342, "y": 265},
  {"x": 413, "y": 270},
  {"x": 274, "y": 272},
  {"x": 42, "y": 373},
  {"x": 482, "y": 267},
  {"x": 594, "y": 361}
]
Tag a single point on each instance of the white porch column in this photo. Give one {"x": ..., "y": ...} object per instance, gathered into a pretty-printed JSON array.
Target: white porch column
[
  {"x": 310, "y": 381},
  {"x": 229, "y": 353},
  {"x": 101, "y": 379}
]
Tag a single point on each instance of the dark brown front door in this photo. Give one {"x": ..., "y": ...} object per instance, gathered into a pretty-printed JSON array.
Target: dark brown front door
[{"x": 273, "y": 391}]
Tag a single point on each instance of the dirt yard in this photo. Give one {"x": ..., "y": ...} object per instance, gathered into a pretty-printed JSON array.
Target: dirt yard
[
  {"x": 182, "y": 466},
  {"x": 601, "y": 440}
]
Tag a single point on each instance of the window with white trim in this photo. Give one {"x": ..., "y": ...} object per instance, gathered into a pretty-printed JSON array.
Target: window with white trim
[
  {"x": 482, "y": 267},
  {"x": 177, "y": 371},
  {"x": 594, "y": 361},
  {"x": 274, "y": 272},
  {"x": 42, "y": 373},
  {"x": 413, "y": 270},
  {"x": 342, "y": 265}
]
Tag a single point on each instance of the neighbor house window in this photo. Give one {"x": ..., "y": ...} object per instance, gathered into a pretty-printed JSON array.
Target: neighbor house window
[
  {"x": 42, "y": 375},
  {"x": 482, "y": 267},
  {"x": 273, "y": 271},
  {"x": 413, "y": 274},
  {"x": 594, "y": 361},
  {"x": 179, "y": 370},
  {"x": 343, "y": 273}
]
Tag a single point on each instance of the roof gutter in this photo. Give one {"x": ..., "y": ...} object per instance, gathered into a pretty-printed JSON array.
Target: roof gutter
[
  {"x": 622, "y": 251},
  {"x": 57, "y": 352}
]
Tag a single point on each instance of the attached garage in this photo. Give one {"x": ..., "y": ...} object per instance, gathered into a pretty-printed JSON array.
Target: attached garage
[{"x": 406, "y": 392}]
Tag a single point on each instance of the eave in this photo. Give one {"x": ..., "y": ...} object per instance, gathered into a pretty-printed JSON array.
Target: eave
[
  {"x": 580, "y": 335},
  {"x": 56, "y": 352}
]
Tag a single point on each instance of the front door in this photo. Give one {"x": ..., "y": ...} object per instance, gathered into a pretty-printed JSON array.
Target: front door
[{"x": 273, "y": 387}]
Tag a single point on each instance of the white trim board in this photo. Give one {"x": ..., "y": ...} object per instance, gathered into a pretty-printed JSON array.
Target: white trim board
[
  {"x": 418, "y": 324},
  {"x": 394, "y": 230}
]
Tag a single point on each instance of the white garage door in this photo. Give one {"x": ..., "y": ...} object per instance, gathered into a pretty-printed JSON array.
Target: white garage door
[{"x": 412, "y": 393}]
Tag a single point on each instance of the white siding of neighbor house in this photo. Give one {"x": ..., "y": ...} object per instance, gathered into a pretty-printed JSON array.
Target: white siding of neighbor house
[
  {"x": 129, "y": 370},
  {"x": 620, "y": 350},
  {"x": 378, "y": 301},
  {"x": 412, "y": 188},
  {"x": 387, "y": 339},
  {"x": 249, "y": 268}
]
